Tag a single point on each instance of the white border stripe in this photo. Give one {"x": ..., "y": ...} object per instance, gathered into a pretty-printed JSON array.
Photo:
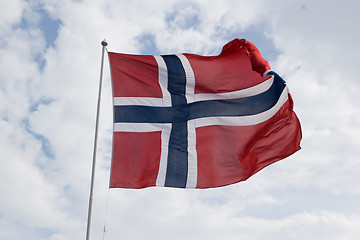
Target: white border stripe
[
  {"x": 163, "y": 80},
  {"x": 144, "y": 101},
  {"x": 166, "y": 128},
  {"x": 266, "y": 72},
  {"x": 137, "y": 127},
  {"x": 248, "y": 92},
  {"x": 192, "y": 156},
  {"x": 190, "y": 78},
  {"x": 165, "y": 136},
  {"x": 244, "y": 120}
]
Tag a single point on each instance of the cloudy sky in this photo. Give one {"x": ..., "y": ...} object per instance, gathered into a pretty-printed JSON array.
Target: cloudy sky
[{"x": 50, "y": 57}]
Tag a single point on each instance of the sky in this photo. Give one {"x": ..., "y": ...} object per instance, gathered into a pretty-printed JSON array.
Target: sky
[{"x": 50, "y": 55}]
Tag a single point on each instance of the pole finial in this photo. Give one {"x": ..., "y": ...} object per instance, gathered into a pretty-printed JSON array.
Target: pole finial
[{"x": 104, "y": 43}]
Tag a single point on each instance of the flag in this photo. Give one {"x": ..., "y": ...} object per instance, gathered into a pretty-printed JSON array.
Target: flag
[{"x": 191, "y": 121}]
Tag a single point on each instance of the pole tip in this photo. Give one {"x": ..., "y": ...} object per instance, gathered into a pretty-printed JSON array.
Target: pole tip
[{"x": 104, "y": 43}]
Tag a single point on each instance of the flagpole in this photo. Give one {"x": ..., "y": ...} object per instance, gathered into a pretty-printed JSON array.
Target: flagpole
[{"x": 104, "y": 44}]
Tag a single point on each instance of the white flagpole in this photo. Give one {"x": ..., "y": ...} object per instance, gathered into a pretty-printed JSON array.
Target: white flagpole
[{"x": 104, "y": 44}]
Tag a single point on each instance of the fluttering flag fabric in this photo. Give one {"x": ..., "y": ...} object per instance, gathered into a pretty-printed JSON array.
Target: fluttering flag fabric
[{"x": 191, "y": 121}]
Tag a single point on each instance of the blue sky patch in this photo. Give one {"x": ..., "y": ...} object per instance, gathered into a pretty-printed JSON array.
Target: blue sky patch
[
  {"x": 49, "y": 27},
  {"x": 45, "y": 144},
  {"x": 148, "y": 44}
]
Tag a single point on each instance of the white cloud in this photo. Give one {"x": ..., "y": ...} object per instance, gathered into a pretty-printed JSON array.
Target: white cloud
[{"x": 10, "y": 13}]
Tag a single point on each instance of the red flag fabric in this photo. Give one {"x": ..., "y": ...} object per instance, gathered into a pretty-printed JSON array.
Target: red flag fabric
[{"x": 191, "y": 121}]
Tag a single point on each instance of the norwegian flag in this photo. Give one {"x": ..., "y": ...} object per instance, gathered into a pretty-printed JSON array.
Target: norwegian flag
[{"x": 191, "y": 121}]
